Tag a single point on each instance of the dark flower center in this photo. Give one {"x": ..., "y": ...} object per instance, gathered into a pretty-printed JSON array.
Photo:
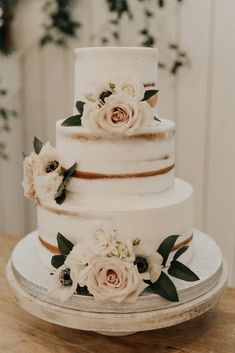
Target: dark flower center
[
  {"x": 51, "y": 166},
  {"x": 65, "y": 278},
  {"x": 142, "y": 264},
  {"x": 104, "y": 95}
]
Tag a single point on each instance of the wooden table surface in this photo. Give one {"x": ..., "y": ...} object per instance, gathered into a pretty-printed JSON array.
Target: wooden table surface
[{"x": 20, "y": 332}]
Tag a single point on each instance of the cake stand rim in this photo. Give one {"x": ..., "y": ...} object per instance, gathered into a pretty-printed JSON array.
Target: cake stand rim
[
  {"x": 112, "y": 323},
  {"x": 143, "y": 303}
]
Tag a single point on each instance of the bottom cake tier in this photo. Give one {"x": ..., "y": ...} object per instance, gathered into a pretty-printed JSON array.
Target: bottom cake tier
[
  {"x": 149, "y": 218},
  {"x": 28, "y": 280}
]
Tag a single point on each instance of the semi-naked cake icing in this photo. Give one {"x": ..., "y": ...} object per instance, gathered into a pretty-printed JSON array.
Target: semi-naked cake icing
[{"x": 107, "y": 196}]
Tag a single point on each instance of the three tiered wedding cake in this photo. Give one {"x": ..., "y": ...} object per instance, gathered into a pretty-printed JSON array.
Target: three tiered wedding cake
[{"x": 113, "y": 221}]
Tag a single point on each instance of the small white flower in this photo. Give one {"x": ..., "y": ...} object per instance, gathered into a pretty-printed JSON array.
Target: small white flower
[
  {"x": 125, "y": 250},
  {"x": 148, "y": 262},
  {"x": 80, "y": 257},
  {"x": 102, "y": 241},
  {"x": 131, "y": 87},
  {"x": 63, "y": 283}
]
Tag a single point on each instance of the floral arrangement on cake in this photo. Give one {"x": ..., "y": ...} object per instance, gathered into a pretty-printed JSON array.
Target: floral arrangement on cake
[
  {"x": 43, "y": 176},
  {"x": 120, "y": 107},
  {"x": 112, "y": 269}
]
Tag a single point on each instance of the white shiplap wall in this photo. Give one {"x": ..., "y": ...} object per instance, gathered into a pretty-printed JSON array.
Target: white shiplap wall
[{"x": 200, "y": 100}]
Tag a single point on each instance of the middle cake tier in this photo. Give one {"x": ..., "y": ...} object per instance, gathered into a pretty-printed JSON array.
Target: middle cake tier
[{"x": 116, "y": 169}]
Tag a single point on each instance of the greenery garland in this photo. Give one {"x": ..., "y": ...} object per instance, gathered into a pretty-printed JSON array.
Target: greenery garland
[
  {"x": 5, "y": 117},
  {"x": 59, "y": 26},
  {"x": 119, "y": 8},
  {"x": 7, "y": 11}
]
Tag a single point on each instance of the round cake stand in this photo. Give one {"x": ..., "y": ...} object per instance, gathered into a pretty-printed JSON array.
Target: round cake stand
[{"x": 116, "y": 323}]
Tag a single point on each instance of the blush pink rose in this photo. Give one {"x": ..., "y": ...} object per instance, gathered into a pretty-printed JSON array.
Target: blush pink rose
[{"x": 111, "y": 279}]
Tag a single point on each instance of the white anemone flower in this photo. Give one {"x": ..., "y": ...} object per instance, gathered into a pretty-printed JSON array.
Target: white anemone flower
[
  {"x": 148, "y": 262},
  {"x": 63, "y": 283}
]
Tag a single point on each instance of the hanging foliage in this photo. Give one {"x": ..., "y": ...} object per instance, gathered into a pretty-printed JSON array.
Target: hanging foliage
[
  {"x": 5, "y": 116},
  {"x": 59, "y": 25},
  {"x": 7, "y": 11},
  {"x": 119, "y": 8}
]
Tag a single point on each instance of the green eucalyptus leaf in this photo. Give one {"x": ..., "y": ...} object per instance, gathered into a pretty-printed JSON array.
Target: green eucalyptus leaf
[
  {"x": 180, "y": 252},
  {"x": 74, "y": 120},
  {"x": 37, "y": 144},
  {"x": 60, "y": 197},
  {"x": 155, "y": 118},
  {"x": 69, "y": 173},
  {"x": 149, "y": 93},
  {"x": 64, "y": 244},
  {"x": 105, "y": 94},
  {"x": 166, "y": 247},
  {"x": 165, "y": 288},
  {"x": 80, "y": 107},
  {"x": 61, "y": 192},
  {"x": 57, "y": 260},
  {"x": 179, "y": 270}
]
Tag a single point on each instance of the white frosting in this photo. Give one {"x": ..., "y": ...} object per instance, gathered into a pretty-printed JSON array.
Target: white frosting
[
  {"x": 94, "y": 66},
  {"x": 114, "y": 155},
  {"x": 150, "y": 218}
]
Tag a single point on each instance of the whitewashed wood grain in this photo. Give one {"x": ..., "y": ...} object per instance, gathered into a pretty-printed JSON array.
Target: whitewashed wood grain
[
  {"x": 191, "y": 98},
  {"x": 11, "y": 197},
  {"x": 219, "y": 218}
]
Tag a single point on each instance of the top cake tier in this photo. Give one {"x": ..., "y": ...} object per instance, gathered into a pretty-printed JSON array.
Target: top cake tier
[{"x": 94, "y": 66}]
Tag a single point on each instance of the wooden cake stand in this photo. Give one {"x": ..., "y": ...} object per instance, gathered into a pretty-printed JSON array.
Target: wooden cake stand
[{"x": 27, "y": 278}]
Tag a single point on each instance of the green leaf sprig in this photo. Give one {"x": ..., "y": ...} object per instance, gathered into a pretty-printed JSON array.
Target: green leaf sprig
[
  {"x": 65, "y": 246},
  {"x": 149, "y": 93},
  {"x": 37, "y": 144},
  {"x": 61, "y": 192},
  {"x": 75, "y": 120},
  {"x": 164, "y": 286}
]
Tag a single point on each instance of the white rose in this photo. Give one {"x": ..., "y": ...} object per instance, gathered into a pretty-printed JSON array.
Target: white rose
[
  {"x": 46, "y": 185},
  {"x": 111, "y": 279},
  {"x": 63, "y": 283},
  {"x": 148, "y": 261},
  {"x": 131, "y": 87},
  {"x": 102, "y": 241},
  {"x": 31, "y": 167}
]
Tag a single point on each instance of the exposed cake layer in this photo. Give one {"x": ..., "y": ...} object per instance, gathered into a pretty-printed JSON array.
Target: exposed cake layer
[
  {"x": 148, "y": 218},
  {"x": 120, "y": 167},
  {"x": 94, "y": 66}
]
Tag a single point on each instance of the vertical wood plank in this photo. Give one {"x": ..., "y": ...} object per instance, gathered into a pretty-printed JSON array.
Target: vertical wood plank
[
  {"x": 53, "y": 98},
  {"x": 220, "y": 220},
  {"x": 33, "y": 109},
  {"x": 191, "y": 98},
  {"x": 11, "y": 175}
]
